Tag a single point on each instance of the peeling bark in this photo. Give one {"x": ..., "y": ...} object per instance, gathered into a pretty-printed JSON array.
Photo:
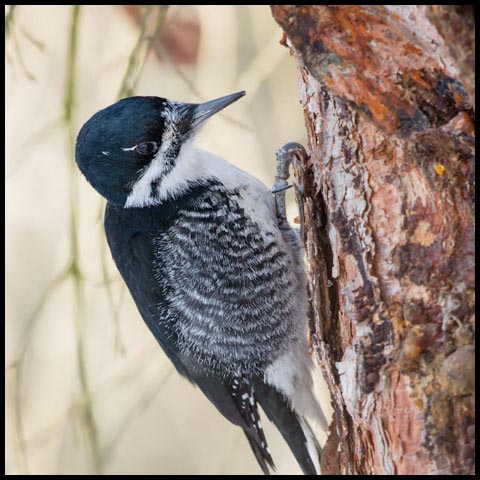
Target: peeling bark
[{"x": 388, "y": 95}]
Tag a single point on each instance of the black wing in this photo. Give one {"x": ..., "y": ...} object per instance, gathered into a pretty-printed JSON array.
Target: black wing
[
  {"x": 133, "y": 239},
  {"x": 289, "y": 424},
  {"x": 133, "y": 250}
]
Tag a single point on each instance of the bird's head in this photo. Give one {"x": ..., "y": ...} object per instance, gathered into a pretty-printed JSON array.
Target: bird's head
[{"x": 127, "y": 150}]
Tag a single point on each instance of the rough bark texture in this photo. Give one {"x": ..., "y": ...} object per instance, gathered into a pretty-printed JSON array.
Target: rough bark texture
[{"x": 388, "y": 94}]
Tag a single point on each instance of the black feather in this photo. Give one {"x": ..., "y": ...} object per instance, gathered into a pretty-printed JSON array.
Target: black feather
[
  {"x": 264, "y": 464},
  {"x": 235, "y": 400},
  {"x": 288, "y": 423},
  {"x": 244, "y": 396},
  {"x": 131, "y": 235}
]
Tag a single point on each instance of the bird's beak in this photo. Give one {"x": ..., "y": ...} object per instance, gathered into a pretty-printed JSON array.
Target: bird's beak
[{"x": 203, "y": 111}]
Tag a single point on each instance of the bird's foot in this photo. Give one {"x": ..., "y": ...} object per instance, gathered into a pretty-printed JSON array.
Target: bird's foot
[{"x": 290, "y": 153}]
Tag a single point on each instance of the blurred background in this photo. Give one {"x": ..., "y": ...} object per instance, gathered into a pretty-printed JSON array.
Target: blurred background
[{"x": 88, "y": 390}]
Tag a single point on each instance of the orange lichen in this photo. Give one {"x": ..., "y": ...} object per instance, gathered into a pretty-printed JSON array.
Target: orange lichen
[
  {"x": 357, "y": 89},
  {"x": 382, "y": 70},
  {"x": 439, "y": 169},
  {"x": 417, "y": 76},
  {"x": 409, "y": 48},
  {"x": 458, "y": 99}
]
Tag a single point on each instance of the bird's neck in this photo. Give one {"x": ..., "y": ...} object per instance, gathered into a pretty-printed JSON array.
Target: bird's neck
[{"x": 193, "y": 166}]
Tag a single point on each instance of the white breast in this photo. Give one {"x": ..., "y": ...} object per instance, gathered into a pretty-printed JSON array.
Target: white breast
[{"x": 194, "y": 164}]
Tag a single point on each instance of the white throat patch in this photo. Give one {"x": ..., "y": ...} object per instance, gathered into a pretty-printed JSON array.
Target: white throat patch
[
  {"x": 191, "y": 166},
  {"x": 175, "y": 182},
  {"x": 142, "y": 193}
]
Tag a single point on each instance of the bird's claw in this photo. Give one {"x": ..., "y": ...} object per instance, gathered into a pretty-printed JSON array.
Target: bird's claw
[
  {"x": 290, "y": 152},
  {"x": 281, "y": 188}
]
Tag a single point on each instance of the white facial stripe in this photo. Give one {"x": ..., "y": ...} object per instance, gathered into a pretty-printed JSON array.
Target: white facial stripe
[
  {"x": 130, "y": 149},
  {"x": 141, "y": 193},
  {"x": 140, "y": 196}
]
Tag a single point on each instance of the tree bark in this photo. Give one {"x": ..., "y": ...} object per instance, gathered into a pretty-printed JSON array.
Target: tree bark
[{"x": 388, "y": 95}]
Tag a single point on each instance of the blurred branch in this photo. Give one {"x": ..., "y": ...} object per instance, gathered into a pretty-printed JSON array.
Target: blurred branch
[
  {"x": 37, "y": 43},
  {"x": 17, "y": 366},
  {"x": 9, "y": 19},
  {"x": 136, "y": 410},
  {"x": 48, "y": 433},
  {"x": 119, "y": 345},
  {"x": 163, "y": 54},
  {"x": 142, "y": 48},
  {"x": 22, "y": 154},
  {"x": 44, "y": 131},
  {"x": 21, "y": 444},
  {"x": 85, "y": 403},
  {"x": 114, "y": 307},
  {"x": 21, "y": 61},
  {"x": 70, "y": 85},
  {"x": 260, "y": 68}
]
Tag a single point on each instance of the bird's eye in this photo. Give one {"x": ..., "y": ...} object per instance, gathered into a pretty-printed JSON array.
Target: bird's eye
[{"x": 146, "y": 148}]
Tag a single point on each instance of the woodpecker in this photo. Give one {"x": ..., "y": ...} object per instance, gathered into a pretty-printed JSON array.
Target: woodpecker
[{"x": 214, "y": 269}]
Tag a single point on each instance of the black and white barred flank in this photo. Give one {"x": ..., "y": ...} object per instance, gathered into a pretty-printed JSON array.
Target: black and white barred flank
[{"x": 230, "y": 289}]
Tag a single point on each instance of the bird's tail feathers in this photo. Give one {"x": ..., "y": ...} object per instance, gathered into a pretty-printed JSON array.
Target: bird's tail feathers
[
  {"x": 261, "y": 452},
  {"x": 313, "y": 447},
  {"x": 294, "y": 429},
  {"x": 304, "y": 403}
]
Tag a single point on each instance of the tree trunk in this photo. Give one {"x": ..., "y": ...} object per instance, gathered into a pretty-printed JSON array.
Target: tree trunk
[{"x": 388, "y": 95}]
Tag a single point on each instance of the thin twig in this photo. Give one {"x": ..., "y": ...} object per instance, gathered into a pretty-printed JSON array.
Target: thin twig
[
  {"x": 163, "y": 54},
  {"x": 136, "y": 410},
  {"x": 114, "y": 307},
  {"x": 86, "y": 404},
  {"x": 9, "y": 19},
  {"x": 37, "y": 43},
  {"x": 21, "y": 61},
  {"x": 17, "y": 366},
  {"x": 23, "y": 154},
  {"x": 141, "y": 49}
]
